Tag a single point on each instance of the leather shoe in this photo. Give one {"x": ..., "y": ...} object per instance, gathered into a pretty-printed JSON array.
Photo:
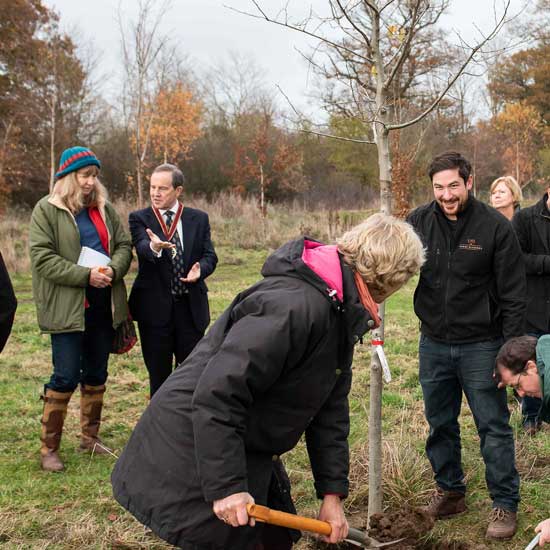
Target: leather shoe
[
  {"x": 502, "y": 524},
  {"x": 445, "y": 504},
  {"x": 50, "y": 462}
]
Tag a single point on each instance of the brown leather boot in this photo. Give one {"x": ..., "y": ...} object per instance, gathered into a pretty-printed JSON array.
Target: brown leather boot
[
  {"x": 445, "y": 504},
  {"x": 91, "y": 404},
  {"x": 53, "y": 417},
  {"x": 502, "y": 524}
]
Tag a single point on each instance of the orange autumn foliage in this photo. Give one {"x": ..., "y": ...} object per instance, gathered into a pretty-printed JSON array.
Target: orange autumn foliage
[
  {"x": 521, "y": 132},
  {"x": 174, "y": 120}
]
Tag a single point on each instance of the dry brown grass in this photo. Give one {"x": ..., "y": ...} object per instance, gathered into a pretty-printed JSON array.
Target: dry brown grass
[
  {"x": 235, "y": 221},
  {"x": 406, "y": 472}
]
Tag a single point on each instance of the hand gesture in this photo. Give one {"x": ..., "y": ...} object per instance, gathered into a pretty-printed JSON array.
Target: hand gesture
[
  {"x": 98, "y": 278},
  {"x": 194, "y": 274},
  {"x": 332, "y": 511},
  {"x": 157, "y": 244},
  {"x": 544, "y": 529},
  {"x": 232, "y": 509}
]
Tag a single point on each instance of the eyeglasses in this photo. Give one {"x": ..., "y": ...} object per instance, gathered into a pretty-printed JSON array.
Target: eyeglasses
[{"x": 515, "y": 385}]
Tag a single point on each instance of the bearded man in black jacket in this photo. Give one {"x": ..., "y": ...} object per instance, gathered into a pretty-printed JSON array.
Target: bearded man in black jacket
[{"x": 471, "y": 296}]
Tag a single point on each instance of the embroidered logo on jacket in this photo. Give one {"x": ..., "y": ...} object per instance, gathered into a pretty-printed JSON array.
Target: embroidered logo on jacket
[{"x": 470, "y": 244}]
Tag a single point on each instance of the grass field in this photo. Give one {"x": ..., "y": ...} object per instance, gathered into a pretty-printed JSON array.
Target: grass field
[{"x": 75, "y": 509}]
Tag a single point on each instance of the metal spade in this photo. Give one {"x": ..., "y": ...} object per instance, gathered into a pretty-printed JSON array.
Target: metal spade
[{"x": 300, "y": 523}]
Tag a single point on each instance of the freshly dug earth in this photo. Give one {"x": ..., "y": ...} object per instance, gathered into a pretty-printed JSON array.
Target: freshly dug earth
[
  {"x": 412, "y": 525},
  {"x": 408, "y": 524}
]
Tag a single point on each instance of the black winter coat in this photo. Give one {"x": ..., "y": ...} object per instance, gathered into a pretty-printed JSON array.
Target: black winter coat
[
  {"x": 472, "y": 286},
  {"x": 276, "y": 364},
  {"x": 532, "y": 227},
  {"x": 8, "y": 304}
]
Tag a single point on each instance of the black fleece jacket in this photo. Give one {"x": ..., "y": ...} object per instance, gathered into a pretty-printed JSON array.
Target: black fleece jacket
[
  {"x": 532, "y": 227},
  {"x": 472, "y": 286}
]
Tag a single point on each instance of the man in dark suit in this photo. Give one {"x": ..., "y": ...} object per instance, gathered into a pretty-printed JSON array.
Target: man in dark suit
[{"x": 169, "y": 297}]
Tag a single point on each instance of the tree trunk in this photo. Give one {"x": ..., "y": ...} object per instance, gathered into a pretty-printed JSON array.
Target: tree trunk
[
  {"x": 517, "y": 162},
  {"x": 139, "y": 183},
  {"x": 53, "y": 129},
  {"x": 138, "y": 123},
  {"x": 263, "y": 209},
  {"x": 381, "y": 135},
  {"x": 375, "y": 409},
  {"x": 4, "y": 148},
  {"x": 52, "y": 143}
]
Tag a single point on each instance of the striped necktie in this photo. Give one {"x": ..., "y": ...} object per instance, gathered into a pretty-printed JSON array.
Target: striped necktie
[{"x": 178, "y": 288}]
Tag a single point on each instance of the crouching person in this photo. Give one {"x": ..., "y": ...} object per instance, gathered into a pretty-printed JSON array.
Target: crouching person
[
  {"x": 523, "y": 363},
  {"x": 275, "y": 365}
]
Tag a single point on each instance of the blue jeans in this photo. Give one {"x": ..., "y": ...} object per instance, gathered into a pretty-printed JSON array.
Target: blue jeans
[
  {"x": 82, "y": 357},
  {"x": 447, "y": 370}
]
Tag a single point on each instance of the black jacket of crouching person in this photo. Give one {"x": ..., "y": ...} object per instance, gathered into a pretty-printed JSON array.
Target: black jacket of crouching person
[{"x": 275, "y": 365}]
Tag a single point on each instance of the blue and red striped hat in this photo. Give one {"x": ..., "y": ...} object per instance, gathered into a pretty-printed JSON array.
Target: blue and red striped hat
[{"x": 75, "y": 158}]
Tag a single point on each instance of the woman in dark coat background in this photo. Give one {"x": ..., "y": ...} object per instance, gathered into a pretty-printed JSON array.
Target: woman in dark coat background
[{"x": 275, "y": 365}]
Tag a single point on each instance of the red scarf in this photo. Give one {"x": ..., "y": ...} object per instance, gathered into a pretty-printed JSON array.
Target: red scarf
[
  {"x": 366, "y": 299},
  {"x": 100, "y": 226}
]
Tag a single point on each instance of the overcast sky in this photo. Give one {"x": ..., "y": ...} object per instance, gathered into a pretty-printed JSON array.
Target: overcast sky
[{"x": 206, "y": 30}]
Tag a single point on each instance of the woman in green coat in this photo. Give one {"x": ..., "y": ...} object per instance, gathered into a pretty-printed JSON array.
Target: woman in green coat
[
  {"x": 80, "y": 307},
  {"x": 523, "y": 363}
]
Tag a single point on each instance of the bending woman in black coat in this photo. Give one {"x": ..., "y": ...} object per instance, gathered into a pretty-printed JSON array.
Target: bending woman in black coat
[{"x": 275, "y": 365}]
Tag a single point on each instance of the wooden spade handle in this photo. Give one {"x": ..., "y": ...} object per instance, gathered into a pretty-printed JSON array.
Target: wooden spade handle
[{"x": 282, "y": 519}]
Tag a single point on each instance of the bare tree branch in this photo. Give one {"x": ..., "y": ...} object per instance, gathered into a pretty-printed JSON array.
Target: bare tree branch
[
  {"x": 354, "y": 25},
  {"x": 405, "y": 47},
  {"x": 456, "y": 75},
  {"x": 290, "y": 26}
]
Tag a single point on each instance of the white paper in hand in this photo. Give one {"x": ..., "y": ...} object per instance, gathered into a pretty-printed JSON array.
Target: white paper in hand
[
  {"x": 92, "y": 258},
  {"x": 384, "y": 362}
]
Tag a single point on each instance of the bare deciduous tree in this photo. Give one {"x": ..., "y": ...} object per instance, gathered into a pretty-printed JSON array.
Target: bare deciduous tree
[
  {"x": 146, "y": 61},
  {"x": 236, "y": 87},
  {"x": 370, "y": 51}
]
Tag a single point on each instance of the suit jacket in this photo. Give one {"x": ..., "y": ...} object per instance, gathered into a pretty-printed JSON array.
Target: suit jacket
[{"x": 151, "y": 296}]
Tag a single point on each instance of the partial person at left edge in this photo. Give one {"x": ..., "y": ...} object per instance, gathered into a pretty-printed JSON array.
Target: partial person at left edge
[
  {"x": 80, "y": 307},
  {"x": 8, "y": 304}
]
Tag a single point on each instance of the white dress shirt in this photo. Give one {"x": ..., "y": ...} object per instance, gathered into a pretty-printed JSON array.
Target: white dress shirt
[{"x": 174, "y": 209}]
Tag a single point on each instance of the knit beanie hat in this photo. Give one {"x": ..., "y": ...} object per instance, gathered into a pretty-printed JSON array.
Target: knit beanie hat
[{"x": 74, "y": 159}]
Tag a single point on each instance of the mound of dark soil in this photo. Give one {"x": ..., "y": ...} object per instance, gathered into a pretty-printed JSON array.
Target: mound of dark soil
[{"x": 408, "y": 524}]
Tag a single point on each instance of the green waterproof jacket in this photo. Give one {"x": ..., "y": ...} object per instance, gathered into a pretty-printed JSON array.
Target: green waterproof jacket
[
  {"x": 543, "y": 365},
  {"x": 59, "y": 284}
]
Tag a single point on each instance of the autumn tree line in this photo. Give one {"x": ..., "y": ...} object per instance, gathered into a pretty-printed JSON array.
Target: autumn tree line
[{"x": 230, "y": 131}]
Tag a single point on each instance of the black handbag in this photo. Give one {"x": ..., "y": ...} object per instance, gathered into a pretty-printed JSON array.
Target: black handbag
[{"x": 125, "y": 337}]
